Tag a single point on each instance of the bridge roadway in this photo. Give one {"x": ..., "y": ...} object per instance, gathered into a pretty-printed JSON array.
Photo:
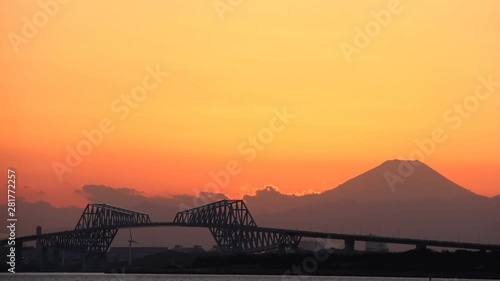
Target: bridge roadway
[{"x": 348, "y": 238}]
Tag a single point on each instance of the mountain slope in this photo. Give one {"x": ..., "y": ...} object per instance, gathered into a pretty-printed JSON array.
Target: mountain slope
[
  {"x": 422, "y": 204},
  {"x": 392, "y": 180},
  {"x": 399, "y": 180}
]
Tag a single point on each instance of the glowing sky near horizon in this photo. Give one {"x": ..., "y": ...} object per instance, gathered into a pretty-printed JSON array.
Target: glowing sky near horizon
[{"x": 226, "y": 80}]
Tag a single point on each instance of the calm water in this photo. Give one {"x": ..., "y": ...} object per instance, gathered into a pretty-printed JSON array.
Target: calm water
[{"x": 154, "y": 277}]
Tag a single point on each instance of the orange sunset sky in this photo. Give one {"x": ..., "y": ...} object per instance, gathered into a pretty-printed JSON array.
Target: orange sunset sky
[{"x": 229, "y": 72}]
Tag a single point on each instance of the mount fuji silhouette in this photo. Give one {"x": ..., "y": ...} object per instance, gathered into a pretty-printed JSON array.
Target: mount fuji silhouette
[
  {"x": 421, "y": 203},
  {"x": 392, "y": 180}
]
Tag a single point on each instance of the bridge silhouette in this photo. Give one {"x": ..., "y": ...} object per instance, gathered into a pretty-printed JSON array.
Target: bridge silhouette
[{"x": 229, "y": 221}]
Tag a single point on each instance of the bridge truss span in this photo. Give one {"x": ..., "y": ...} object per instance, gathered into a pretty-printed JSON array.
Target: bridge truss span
[
  {"x": 234, "y": 229},
  {"x": 224, "y": 212},
  {"x": 104, "y": 215},
  {"x": 95, "y": 230}
]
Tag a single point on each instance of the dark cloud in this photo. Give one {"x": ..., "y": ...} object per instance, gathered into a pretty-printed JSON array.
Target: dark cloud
[
  {"x": 129, "y": 197},
  {"x": 41, "y": 213},
  {"x": 115, "y": 196}
]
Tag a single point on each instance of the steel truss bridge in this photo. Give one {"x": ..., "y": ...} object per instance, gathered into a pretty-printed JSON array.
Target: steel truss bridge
[{"x": 229, "y": 221}]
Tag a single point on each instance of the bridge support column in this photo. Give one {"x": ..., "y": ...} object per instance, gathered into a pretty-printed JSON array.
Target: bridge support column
[
  {"x": 19, "y": 256},
  {"x": 41, "y": 252},
  {"x": 349, "y": 245}
]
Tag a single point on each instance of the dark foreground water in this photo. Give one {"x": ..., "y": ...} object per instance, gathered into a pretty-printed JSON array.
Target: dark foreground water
[{"x": 154, "y": 277}]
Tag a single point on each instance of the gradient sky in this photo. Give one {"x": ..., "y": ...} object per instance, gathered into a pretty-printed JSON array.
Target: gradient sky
[{"x": 226, "y": 79}]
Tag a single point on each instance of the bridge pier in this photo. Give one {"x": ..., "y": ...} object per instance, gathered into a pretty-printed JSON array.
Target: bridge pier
[
  {"x": 349, "y": 245},
  {"x": 19, "y": 256},
  {"x": 42, "y": 252}
]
